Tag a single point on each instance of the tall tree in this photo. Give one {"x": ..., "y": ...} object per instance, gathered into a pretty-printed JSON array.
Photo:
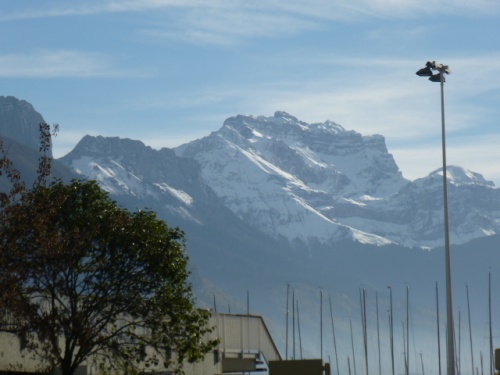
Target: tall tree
[{"x": 89, "y": 281}]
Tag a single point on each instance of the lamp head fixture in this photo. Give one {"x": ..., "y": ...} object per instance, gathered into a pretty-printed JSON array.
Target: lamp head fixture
[
  {"x": 442, "y": 68},
  {"x": 436, "y": 77},
  {"x": 424, "y": 72},
  {"x": 429, "y": 67}
]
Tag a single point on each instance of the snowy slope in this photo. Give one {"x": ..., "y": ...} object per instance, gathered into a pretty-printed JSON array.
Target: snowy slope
[
  {"x": 321, "y": 183},
  {"x": 306, "y": 184}
]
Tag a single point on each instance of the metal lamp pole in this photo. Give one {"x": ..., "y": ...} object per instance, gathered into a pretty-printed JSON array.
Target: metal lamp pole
[
  {"x": 449, "y": 302},
  {"x": 450, "y": 337}
]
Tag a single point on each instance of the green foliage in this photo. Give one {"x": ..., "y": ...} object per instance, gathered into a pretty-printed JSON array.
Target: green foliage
[
  {"x": 12, "y": 183},
  {"x": 87, "y": 279}
]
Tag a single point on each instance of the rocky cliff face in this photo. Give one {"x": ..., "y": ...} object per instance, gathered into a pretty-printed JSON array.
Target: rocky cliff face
[
  {"x": 305, "y": 184},
  {"x": 219, "y": 242},
  {"x": 19, "y": 121},
  {"x": 139, "y": 175},
  {"x": 321, "y": 183}
]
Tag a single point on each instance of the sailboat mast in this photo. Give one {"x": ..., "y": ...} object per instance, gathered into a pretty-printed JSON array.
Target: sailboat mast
[
  {"x": 378, "y": 336},
  {"x": 459, "y": 342},
  {"x": 333, "y": 333},
  {"x": 470, "y": 330},
  {"x": 404, "y": 348},
  {"x": 352, "y": 344},
  {"x": 407, "y": 330},
  {"x": 287, "y": 312},
  {"x": 321, "y": 322},
  {"x": 365, "y": 337},
  {"x": 298, "y": 326},
  {"x": 391, "y": 323},
  {"x": 437, "y": 321},
  {"x": 491, "y": 331},
  {"x": 293, "y": 323}
]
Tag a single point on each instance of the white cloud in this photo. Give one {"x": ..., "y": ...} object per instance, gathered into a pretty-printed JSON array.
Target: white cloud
[
  {"x": 59, "y": 63},
  {"x": 269, "y": 14},
  {"x": 229, "y": 24},
  {"x": 478, "y": 154},
  {"x": 87, "y": 8},
  {"x": 395, "y": 95},
  {"x": 393, "y": 102}
]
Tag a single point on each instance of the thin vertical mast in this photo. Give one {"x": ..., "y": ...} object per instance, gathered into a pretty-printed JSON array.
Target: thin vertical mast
[
  {"x": 491, "y": 331},
  {"x": 298, "y": 326},
  {"x": 470, "y": 329},
  {"x": 321, "y": 322},
  {"x": 248, "y": 302},
  {"x": 378, "y": 336},
  {"x": 437, "y": 321},
  {"x": 407, "y": 330},
  {"x": 365, "y": 336},
  {"x": 362, "y": 310},
  {"x": 352, "y": 344},
  {"x": 287, "y": 312},
  {"x": 459, "y": 341},
  {"x": 333, "y": 333},
  {"x": 405, "y": 349},
  {"x": 391, "y": 321},
  {"x": 293, "y": 323}
]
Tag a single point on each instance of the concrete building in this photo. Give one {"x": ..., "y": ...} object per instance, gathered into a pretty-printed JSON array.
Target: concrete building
[{"x": 245, "y": 346}]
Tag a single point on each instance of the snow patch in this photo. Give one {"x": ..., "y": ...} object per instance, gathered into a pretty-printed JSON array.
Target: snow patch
[
  {"x": 257, "y": 134},
  {"x": 489, "y": 232},
  {"x": 370, "y": 198},
  {"x": 179, "y": 194},
  {"x": 368, "y": 238},
  {"x": 352, "y": 201}
]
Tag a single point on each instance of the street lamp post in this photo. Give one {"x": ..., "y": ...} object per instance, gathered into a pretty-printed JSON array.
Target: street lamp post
[{"x": 450, "y": 337}]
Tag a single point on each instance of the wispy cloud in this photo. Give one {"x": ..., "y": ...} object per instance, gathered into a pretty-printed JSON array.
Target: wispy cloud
[
  {"x": 59, "y": 63},
  {"x": 92, "y": 7},
  {"x": 478, "y": 154},
  {"x": 260, "y": 17},
  {"x": 225, "y": 25},
  {"x": 392, "y": 90}
]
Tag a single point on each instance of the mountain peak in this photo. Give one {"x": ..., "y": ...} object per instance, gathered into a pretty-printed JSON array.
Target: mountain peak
[
  {"x": 283, "y": 175},
  {"x": 285, "y": 116},
  {"x": 20, "y": 122},
  {"x": 308, "y": 183},
  {"x": 461, "y": 176},
  {"x": 457, "y": 176}
]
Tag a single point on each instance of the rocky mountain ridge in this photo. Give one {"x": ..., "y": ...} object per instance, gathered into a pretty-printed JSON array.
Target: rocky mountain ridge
[
  {"x": 319, "y": 182},
  {"x": 19, "y": 121},
  {"x": 305, "y": 184},
  {"x": 234, "y": 192}
]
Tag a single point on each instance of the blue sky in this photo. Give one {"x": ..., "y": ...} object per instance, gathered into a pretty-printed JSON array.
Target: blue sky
[{"x": 170, "y": 71}]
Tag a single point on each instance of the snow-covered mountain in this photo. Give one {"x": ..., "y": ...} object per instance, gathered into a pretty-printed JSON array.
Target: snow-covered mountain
[
  {"x": 233, "y": 257},
  {"x": 140, "y": 177},
  {"x": 271, "y": 201},
  {"x": 321, "y": 183},
  {"x": 290, "y": 181}
]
